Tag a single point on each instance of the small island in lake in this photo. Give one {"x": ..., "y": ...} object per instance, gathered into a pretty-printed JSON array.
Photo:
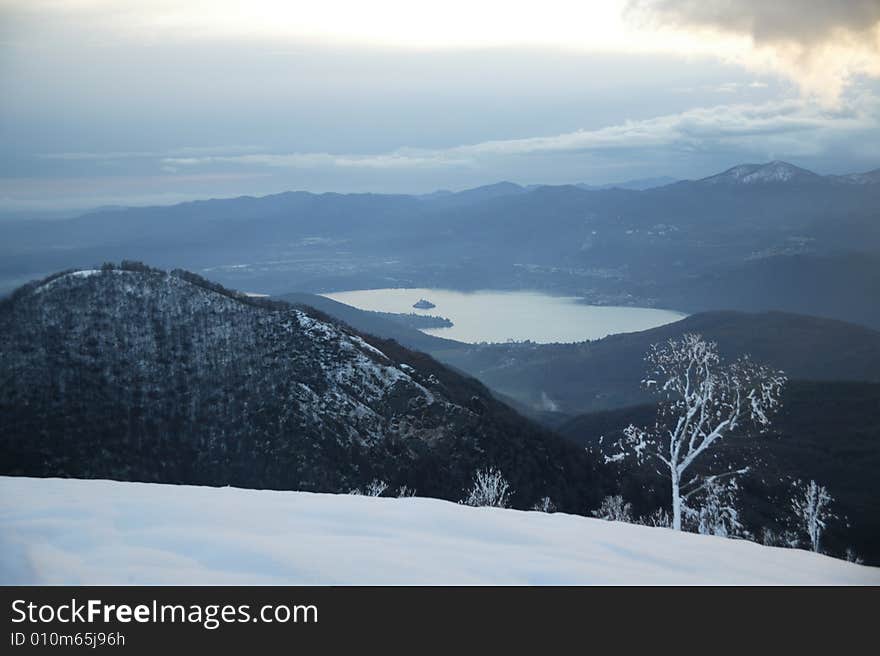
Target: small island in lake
[{"x": 424, "y": 304}]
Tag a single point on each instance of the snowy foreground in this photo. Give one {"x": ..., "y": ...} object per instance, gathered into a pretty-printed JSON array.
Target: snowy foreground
[{"x": 55, "y": 531}]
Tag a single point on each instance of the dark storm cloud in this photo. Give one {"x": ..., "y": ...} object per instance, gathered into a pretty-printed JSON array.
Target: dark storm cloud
[
  {"x": 822, "y": 46},
  {"x": 768, "y": 21}
]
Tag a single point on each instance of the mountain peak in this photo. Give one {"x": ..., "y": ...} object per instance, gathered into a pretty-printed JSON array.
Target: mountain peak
[{"x": 771, "y": 172}]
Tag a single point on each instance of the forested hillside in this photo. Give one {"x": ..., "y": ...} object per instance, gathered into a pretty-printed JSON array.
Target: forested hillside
[{"x": 136, "y": 374}]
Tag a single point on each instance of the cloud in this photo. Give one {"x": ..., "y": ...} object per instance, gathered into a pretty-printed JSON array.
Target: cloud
[
  {"x": 821, "y": 45},
  {"x": 780, "y": 20},
  {"x": 791, "y": 127},
  {"x": 691, "y": 143},
  {"x": 401, "y": 159},
  {"x": 146, "y": 154},
  {"x": 736, "y": 87}
]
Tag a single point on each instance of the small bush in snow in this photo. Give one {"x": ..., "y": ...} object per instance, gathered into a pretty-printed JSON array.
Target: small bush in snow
[
  {"x": 405, "y": 491},
  {"x": 374, "y": 489},
  {"x": 852, "y": 557},
  {"x": 659, "y": 517},
  {"x": 489, "y": 488},
  {"x": 786, "y": 538},
  {"x": 614, "y": 509},
  {"x": 545, "y": 505},
  {"x": 811, "y": 503}
]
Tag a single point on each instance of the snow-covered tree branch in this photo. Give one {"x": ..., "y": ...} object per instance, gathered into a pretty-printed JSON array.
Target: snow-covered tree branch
[{"x": 702, "y": 401}]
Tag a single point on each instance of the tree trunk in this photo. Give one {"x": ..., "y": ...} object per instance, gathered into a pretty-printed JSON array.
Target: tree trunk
[{"x": 676, "y": 502}]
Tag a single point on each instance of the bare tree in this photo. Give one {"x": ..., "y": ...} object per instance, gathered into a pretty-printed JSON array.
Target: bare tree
[
  {"x": 702, "y": 402},
  {"x": 405, "y": 491},
  {"x": 811, "y": 504},
  {"x": 545, "y": 505},
  {"x": 785, "y": 538},
  {"x": 660, "y": 518},
  {"x": 489, "y": 488},
  {"x": 614, "y": 509},
  {"x": 376, "y": 488}
]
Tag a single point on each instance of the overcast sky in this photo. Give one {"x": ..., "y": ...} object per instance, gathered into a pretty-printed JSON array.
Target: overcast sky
[{"x": 135, "y": 102}]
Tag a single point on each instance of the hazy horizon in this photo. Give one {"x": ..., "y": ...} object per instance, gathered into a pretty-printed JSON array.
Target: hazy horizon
[
  {"x": 72, "y": 210},
  {"x": 133, "y": 103}
]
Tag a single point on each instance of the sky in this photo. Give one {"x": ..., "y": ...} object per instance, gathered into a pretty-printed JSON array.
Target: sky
[{"x": 125, "y": 102}]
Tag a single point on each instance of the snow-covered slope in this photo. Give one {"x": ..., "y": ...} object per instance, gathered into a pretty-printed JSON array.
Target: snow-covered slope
[
  {"x": 771, "y": 172},
  {"x": 55, "y": 531}
]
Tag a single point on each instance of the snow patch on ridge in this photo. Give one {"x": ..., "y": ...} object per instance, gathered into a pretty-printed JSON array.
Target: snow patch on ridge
[
  {"x": 775, "y": 171},
  {"x": 83, "y": 273}
]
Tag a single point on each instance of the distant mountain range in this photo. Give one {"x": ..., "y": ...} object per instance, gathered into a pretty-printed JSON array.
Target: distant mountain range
[
  {"x": 505, "y": 188},
  {"x": 690, "y": 245},
  {"x": 639, "y": 184},
  {"x": 774, "y": 172},
  {"x": 136, "y": 374}
]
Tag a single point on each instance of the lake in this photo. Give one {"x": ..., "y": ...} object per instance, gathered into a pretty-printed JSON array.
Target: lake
[{"x": 492, "y": 316}]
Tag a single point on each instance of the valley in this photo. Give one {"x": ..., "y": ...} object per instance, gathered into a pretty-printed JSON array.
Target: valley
[{"x": 529, "y": 352}]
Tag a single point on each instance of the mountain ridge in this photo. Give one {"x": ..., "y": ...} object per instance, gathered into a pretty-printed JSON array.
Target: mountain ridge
[
  {"x": 611, "y": 247},
  {"x": 774, "y": 170}
]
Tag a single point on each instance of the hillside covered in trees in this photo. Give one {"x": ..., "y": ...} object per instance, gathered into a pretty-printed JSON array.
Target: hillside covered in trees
[{"x": 136, "y": 374}]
